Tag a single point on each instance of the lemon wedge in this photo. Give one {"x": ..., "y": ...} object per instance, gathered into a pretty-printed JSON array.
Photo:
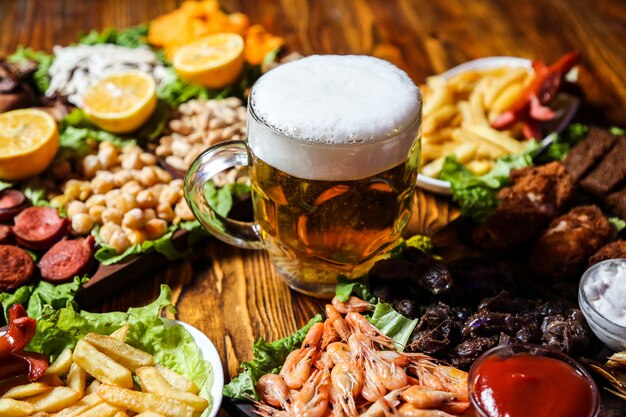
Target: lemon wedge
[
  {"x": 29, "y": 139},
  {"x": 121, "y": 103},
  {"x": 214, "y": 61}
]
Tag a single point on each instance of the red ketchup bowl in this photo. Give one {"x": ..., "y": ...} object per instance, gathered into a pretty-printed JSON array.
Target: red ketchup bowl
[{"x": 529, "y": 380}]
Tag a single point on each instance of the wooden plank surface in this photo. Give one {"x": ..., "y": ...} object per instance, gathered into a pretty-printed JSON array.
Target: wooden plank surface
[{"x": 235, "y": 296}]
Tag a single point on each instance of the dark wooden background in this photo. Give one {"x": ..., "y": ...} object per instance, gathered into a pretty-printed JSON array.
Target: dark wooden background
[{"x": 235, "y": 296}]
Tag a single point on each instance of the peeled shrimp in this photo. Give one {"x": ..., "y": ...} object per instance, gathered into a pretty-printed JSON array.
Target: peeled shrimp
[
  {"x": 274, "y": 391},
  {"x": 312, "y": 400},
  {"x": 354, "y": 304},
  {"x": 297, "y": 367}
]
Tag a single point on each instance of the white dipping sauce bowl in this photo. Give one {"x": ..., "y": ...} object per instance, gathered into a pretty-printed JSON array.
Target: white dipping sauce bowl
[{"x": 611, "y": 334}]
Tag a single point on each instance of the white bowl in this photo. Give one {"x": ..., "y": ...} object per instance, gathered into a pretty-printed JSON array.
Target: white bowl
[
  {"x": 611, "y": 334},
  {"x": 564, "y": 113},
  {"x": 210, "y": 355}
]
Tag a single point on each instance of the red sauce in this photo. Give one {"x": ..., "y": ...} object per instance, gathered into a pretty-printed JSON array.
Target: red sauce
[{"x": 525, "y": 385}]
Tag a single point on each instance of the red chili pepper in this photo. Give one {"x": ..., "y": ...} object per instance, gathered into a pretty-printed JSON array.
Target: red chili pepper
[
  {"x": 542, "y": 89},
  {"x": 19, "y": 333}
]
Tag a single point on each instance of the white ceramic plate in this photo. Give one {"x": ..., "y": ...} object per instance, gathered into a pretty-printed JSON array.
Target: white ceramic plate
[
  {"x": 210, "y": 355},
  {"x": 566, "y": 108}
]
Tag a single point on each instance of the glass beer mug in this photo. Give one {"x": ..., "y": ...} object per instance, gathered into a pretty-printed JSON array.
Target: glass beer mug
[{"x": 333, "y": 150}]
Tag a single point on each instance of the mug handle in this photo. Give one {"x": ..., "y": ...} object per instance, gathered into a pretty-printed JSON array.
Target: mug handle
[{"x": 214, "y": 160}]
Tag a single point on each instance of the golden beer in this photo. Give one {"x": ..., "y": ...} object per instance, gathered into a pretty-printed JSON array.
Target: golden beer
[
  {"x": 333, "y": 150},
  {"x": 316, "y": 230}
]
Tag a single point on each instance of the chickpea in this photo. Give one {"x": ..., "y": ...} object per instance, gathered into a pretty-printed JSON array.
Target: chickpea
[
  {"x": 163, "y": 175},
  {"x": 107, "y": 154},
  {"x": 183, "y": 211},
  {"x": 135, "y": 236},
  {"x": 107, "y": 230},
  {"x": 72, "y": 189},
  {"x": 112, "y": 215},
  {"x": 165, "y": 212},
  {"x": 147, "y": 198},
  {"x": 149, "y": 214},
  {"x": 148, "y": 176},
  {"x": 131, "y": 161},
  {"x": 95, "y": 200},
  {"x": 132, "y": 149},
  {"x": 177, "y": 184},
  {"x": 131, "y": 188},
  {"x": 90, "y": 165},
  {"x": 124, "y": 202},
  {"x": 103, "y": 183},
  {"x": 156, "y": 228},
  {"x": 75, "y": 207},
  {"x": 61, "y": 169},
  {"x": 96, "y": 213},
  {"x": 169, "y": 196},
  {"x": 121, "y": 177},
  {"x": 147, "y": 158},
  {"x": 119, "y": 241},
  {"x": 134, "y": 219},
  {"x": 59, "y": 201},
  {"x": 82, "y": 223},
  {"x": 111, "y": 197},
  {"x": 85, "y": 190},
  {"x": 180, "y": 148}
]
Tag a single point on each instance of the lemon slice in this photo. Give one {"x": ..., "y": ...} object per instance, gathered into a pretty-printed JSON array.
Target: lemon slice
[
  {"x": 29, "y": 140},
  {"x": 214, "y": 61},
  {"x": 121, "y": 103}
]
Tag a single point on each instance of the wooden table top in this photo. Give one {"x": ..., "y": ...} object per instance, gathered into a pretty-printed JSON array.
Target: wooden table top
[{"x": 234, "y": 296}]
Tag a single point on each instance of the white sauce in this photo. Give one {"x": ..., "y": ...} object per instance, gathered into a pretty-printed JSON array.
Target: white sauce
[{"x": 605, "y": 289}]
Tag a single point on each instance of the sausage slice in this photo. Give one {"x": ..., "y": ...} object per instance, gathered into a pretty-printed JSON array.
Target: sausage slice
[
  {"x": 5, "y": 234},
  {"x": 39, "y": 227},
  {"x": 66, "y": 259},
  {"x": 16, "y": 267},
  {"x": 11, "y": 203}
]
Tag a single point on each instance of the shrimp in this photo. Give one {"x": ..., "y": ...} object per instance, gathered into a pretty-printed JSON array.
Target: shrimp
[
  {"x": 339, "y": 352},
  {"x": 312, "y": 400},
  {"x": 394, "y": 357},
  {"x": 441, "y": 377},
  {"x": 347, "y": 381},
  {"x": 390, "y": 375},
  {"x": 385, "y": 406},
  {"x": 408, "y": 410},
  {"x": 265, "y": 410},
  {"x": 297, "y": 367},
  {"x": 354, "y": 304},
  {"x": 338, "y": 323},
  {"x": 274, "y": 391},
  {"x": 426, "y": 397},
  {"x": 373, "y": 387},
  {"x": 330, "y": 335},
  {"x": 359, "y": 324}
]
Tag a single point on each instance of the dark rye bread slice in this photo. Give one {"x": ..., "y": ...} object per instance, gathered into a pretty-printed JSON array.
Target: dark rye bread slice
[
  {"x": 609, "y": 173},
  {"x": 616, "y": 203},
  {"x": 585, "y": 155}
]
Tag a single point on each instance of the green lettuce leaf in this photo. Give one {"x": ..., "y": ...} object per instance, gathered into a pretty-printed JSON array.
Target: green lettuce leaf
[
  {"x": 267, "y": 358},
  {"x": 43, "y": 60},
  {"x": 34, "y": 297},
  {"x": 393, "y": 324},
  {"x": 359, "y": 286},
  {"x": 35, "y": 191},
  {"x": 171, "y": 345},
  {"x": 476, "y": 194},
  {"x": 561, "y": 144},
  {"x": 132, "y": 37}
]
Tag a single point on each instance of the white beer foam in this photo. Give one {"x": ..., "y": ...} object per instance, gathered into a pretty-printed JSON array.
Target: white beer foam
[{"x": 329, "y": 116}]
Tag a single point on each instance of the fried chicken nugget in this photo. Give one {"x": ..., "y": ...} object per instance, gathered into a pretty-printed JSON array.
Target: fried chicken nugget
[
  {"x": 613, "y": 250},
  {"x": 564, "y": 249},
  {"x": 536, "y": 195}
]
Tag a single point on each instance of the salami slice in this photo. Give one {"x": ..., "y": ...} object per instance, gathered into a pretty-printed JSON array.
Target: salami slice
[
  {"x": 66, "y": 259},
  {"x": 11, "y": 203},
  {"x": 16, "y": 267},
  {"x": 39, "y": 227}
]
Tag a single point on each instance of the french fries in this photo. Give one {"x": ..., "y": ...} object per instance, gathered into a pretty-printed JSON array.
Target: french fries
[
  {"x": 96, "y": 380},
  {"x": 459, "y": 111}
]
